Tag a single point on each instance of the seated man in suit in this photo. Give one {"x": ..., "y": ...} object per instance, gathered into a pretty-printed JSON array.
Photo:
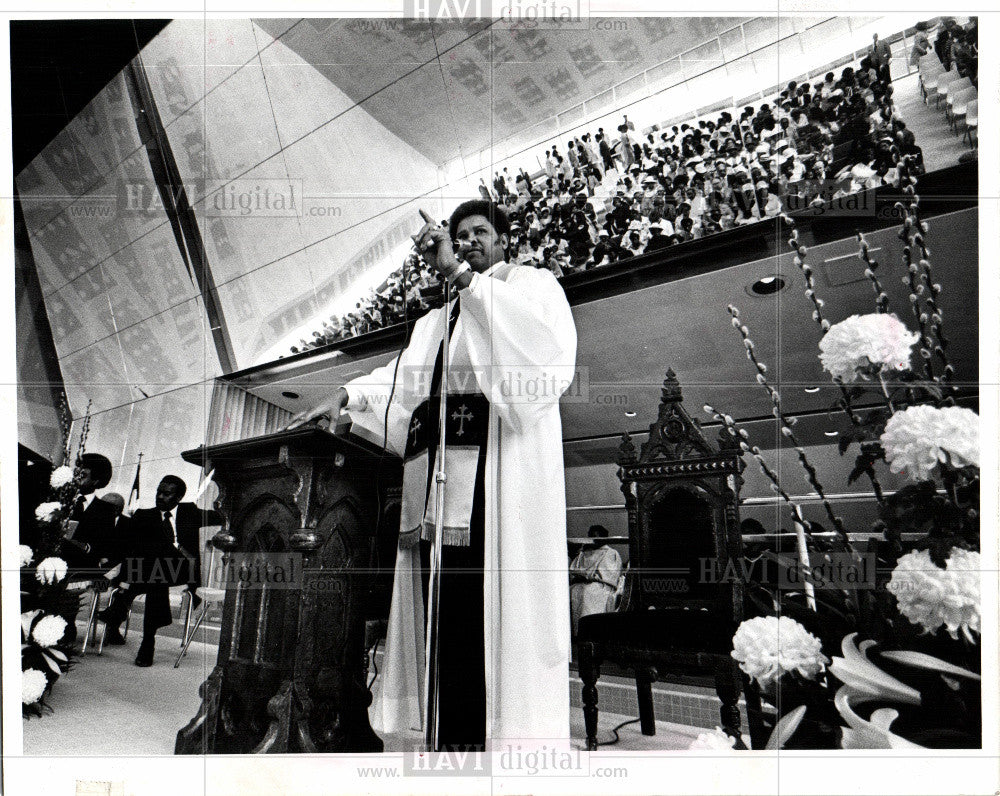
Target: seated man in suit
[
  {"x": 93, "y": 540},
  {"x": 164, "y": 551}
]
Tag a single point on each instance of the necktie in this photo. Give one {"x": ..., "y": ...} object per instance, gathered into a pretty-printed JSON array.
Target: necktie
[
  {"x": 79, "y": 507},
  {"x": 168, "y": 529}
]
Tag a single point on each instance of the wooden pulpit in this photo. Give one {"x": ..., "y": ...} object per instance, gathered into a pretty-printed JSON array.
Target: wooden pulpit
[{"x": 301, "y": 513}]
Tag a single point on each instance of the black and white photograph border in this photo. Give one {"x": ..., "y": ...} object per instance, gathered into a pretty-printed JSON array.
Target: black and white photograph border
[{"x": 716, "y": 297}]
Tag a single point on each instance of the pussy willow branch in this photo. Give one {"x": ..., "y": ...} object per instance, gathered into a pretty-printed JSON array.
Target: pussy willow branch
[
  {"x": 785, "y": 421},
  {"x": 921, "y": 286},
  {"x": 871, "y": 266},
  {"x": 743, "y": 438},
  {"x": 801, "y": 251},
  {"x": 926, "y": 287},
  {"x": 84, "y": 432},
  {"x": 911, "y": 281}
]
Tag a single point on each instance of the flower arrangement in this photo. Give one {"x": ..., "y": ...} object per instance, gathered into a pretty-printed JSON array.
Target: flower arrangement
[
  {"x": 716, "y": 740},
  {"x": 933, "y": 597},
  {"x": 857, "y": 344},
  {"x": 47, "y": 634},
  {"x": 920, "y": 624},
  {"x": 769, "y": 646},
  {"x": 919, "y": 438}
]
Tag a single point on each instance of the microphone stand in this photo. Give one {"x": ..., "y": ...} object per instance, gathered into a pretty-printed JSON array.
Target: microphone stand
[{"x": 431, "y": 679}]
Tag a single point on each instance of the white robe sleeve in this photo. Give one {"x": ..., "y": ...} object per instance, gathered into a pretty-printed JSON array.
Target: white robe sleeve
[
  {"x": 522, "y": 342},
  {"x": 369, "y": 395}
]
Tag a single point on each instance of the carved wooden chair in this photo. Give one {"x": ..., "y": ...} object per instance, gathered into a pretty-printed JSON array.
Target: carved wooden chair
[{"x": 681, "y": 604}]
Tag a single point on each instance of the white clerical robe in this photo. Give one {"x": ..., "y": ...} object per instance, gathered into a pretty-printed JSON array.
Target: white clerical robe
[
  {"x": 515, "y": 332},
  {"x": 599, "y": 569}
]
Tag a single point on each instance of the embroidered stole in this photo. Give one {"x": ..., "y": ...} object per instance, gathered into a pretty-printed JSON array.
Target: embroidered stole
[{"x": 466, "y": 429}]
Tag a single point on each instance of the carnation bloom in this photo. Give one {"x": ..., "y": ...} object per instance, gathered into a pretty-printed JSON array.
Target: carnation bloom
[
  {"x": 49, "y": 630},
  {"x": 33, "y": 684},
  {"x": 46, "y": 511},
  {"x": 60, "y": 477},
  {"x": 919, "y": 437},
  {"x": 717, "y": 740},
  {"x": 25, "y": 554},
  {"x": 863, "y": 340},
  {"x": 50, "y": 570},
  {"x": 768, "y": 646},
  {"x": 931, "y": 597}
]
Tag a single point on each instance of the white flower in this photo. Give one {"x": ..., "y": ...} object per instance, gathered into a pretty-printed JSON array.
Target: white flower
[
  {"x": 919, "y": 437},
  {"x": 931, "y": 597},
  {"x": 46, "y": 511},
  {"x": 49, "y": 630},
  {"x": 768, "y": 646},
  {"x": 33, "y": 684},
  {"x": 61, "y": 476},
  {"x": 25, "y": 553},
  {"x": 716, "y": 740},
  {"x": 862, "y": 340},
  {"x": 50, "y": 570}
]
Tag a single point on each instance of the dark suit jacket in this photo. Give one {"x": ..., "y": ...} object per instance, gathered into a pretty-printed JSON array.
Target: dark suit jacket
[
  {"x": 96, "y": 528},
  {"x": 155, "y": 565},
  {"x": 149, "y": 542}
]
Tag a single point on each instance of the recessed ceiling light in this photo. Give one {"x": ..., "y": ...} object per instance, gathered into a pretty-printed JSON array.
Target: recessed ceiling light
[
  {"x": 630, "y": 414},
  {"x": 768, "y": 285},
  {"x": 811, "y": 390},
  {"x": 289, "y": 394},
  {"x": 830, "y": 433}
]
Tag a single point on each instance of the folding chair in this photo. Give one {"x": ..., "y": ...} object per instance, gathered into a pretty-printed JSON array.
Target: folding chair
[
  {"x": 212, "y": 594},
  {"x": 90, "y": 635},
  {"x": 939, "y": 87},
  {"x": 972, "y": 123},
  {"x": 949, "y": 92},
  {"x": 959, "y": 105},
  {"x": 929, "y": 77}
]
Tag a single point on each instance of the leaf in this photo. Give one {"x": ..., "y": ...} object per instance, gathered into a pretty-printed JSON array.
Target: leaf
[
  {"x": 51, "y": 663},
  {"x": 919, "y": 660},
  {"x": 864, "y": 678},
  {"x": 785, "y": 728}
]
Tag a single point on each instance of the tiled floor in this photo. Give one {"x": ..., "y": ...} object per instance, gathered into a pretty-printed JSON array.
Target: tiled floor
[{"x": 107, "y": 706}]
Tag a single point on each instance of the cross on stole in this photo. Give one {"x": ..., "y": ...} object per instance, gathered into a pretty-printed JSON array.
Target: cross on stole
[{"x": 461, "y": 416}]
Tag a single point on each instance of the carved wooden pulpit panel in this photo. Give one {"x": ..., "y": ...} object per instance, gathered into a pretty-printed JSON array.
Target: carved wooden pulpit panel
[{"x": 302, "y": 515}]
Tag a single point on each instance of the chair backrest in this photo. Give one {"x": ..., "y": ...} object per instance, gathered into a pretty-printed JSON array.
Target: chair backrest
[
  {"x": 946, "y": 80},
  {"x": 966, "y": 95},
  {"x": 958, "y": 86},
  {"x": 681, "y": 495}
]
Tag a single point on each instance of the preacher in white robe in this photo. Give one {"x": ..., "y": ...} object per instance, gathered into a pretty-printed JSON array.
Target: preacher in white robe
[{"x": 516, "y": 337}]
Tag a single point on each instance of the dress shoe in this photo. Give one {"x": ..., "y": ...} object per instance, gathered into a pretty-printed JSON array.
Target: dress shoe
[
  {"x": 145, "y": 655},
  {"x": 114, "y": 637}
]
